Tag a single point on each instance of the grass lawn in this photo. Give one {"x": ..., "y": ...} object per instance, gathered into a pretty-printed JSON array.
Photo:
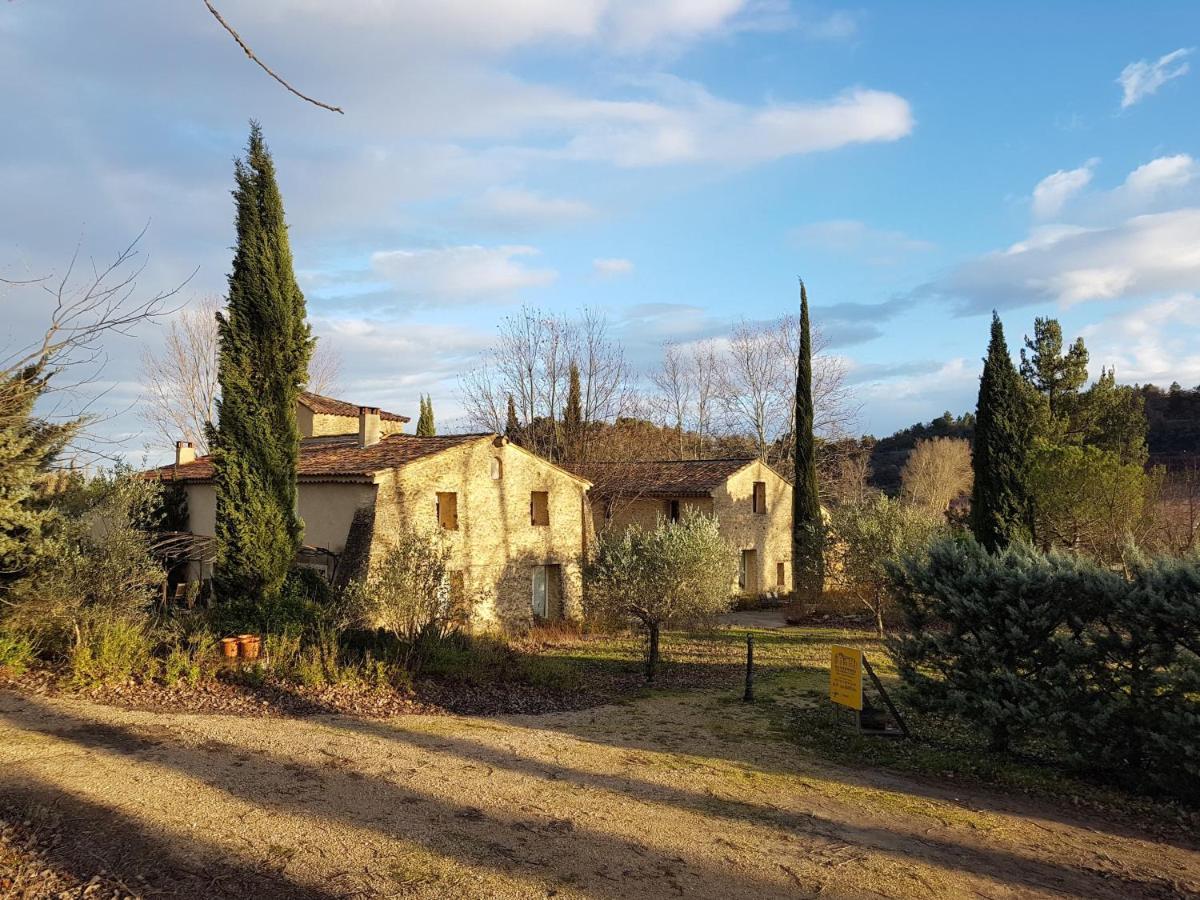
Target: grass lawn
[{"x": 792, "y": 689}]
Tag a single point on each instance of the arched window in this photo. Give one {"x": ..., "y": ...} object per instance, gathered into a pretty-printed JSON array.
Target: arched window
[{"x": 497, "y": 468}]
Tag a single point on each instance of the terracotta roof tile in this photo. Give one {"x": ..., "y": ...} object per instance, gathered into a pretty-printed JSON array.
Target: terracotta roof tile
[
  {"x": 340, "y": 459},
  {"x": 328, "y": 406},
  {"x": 659, "y": 478}
]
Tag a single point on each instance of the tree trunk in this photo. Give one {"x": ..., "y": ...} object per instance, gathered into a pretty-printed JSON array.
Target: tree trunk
[
  {"x": 879, "y": 620},
  {"x": 652, "y": 655}
]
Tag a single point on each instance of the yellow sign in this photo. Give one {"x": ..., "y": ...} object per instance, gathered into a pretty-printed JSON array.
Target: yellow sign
[{"x": 845, "y": 676}]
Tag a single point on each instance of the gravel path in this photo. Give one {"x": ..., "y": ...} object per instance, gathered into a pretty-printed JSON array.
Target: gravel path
[{"x": 682, "y": 795}]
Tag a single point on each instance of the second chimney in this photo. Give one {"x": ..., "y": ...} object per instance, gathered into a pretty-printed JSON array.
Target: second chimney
[
  {"x": 185, "y": 452},
  {"x": 368, "y": 425}
]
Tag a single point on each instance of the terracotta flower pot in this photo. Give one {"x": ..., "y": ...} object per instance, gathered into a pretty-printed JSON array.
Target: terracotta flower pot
[
  {"x": 248, "y": 645},
  {"x": 229, "y": 647}
]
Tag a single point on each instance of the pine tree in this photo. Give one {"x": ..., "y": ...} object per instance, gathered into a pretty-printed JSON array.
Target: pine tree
[
  {"x": 512, "y": 427},
  {"x": 264, "y": 348},
  {"x": 425, "y": 424},
  {"x": 28, "y": 446},
  {"x": 808, "y": 527},
  {"x": 573, "y": 419},
  {"x": 1000, "y": 507},
  {"x": 1056, "y": 375}
]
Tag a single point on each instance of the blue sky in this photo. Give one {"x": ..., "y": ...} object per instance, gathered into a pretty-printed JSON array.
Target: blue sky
[{"x": 676, "y": 164}]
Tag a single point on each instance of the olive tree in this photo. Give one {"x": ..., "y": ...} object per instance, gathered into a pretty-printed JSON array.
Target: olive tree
[
  {"x": 677, "y": 574},
  {"x": 406, "y": 594},
  {"x": 867, "y": 537}
]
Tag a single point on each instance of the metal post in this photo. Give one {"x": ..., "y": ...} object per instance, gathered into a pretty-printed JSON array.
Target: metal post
[{"x": 748, "y": 697}]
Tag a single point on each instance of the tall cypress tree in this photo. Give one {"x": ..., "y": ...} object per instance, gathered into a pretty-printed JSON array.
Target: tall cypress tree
[
  {"x": 808, "y": 528},
  {"x": 512, "y": 426},
  {"x": 573, "y": 418},
  {"x": 425, "y": 424},
  {"x": 1000, "y": 507},
  {"x": 264, "y": 348}
]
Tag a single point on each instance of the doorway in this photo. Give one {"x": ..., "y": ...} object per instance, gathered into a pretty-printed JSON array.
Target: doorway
[
  {"x": 547, "y": 592},
  {"x": 748, "y": 572}
]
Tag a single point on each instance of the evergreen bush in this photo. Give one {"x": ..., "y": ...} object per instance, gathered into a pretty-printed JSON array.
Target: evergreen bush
[{"x": 1054, "y": 648}]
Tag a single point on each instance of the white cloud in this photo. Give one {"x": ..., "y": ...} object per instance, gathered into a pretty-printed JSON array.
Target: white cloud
[
  {"x": 850, "y": 236},
  {"x": 1160, "y": 174},
  {"x": 1139, "y": 240},
  {"x": 893, "y": 402},
  {"x": 690, "y": 125},
  {"x": 503, "y": 25},
  {"x": 611, "y": 268},
  {"x": 1052, "y": 192},
  {"x": 517, "y": 208},
  {"x": 837, "y": 26},
  {"x": 1154, "y": 343},
  {"x": 462, "y": 272},
  {"x": 1141, "y": 256},
  {"x": 1140, "y": 79}
]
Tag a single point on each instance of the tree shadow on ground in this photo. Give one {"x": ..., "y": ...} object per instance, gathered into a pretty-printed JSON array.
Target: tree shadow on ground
[
  {"x": 990, "y": 861},
  {"x": 518, "y": 843},
  {"x": 90, "y": 837},
  {"x": 514, "y": 842}
]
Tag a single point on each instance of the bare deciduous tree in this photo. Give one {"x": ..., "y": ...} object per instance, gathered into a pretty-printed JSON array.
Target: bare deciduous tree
[
  {"x": 84, "y": 310},
  {"x": 937, "y": 471},
  {"x": 531, "y": 361},
  {"x": 758, "y": 388},
  {"x": 750, "y": 390},
  {"x": 180, "y": 380},
  {"x": 706, "y": 373},
  {"x": 675, "y": 391}
]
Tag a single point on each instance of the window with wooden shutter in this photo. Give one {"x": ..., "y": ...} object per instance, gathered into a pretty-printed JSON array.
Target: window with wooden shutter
[
  {"x": 447, "y": 510},
  {"x": 759, "y": 502},
  {"x": 539, "y": 508}
]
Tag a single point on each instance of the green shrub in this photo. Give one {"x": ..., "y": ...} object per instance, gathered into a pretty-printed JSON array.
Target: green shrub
[
  {"x": 97, "y": 565},
  {"x": 1102, "y": 669},
  {"x": 16, "y": 653},
  {"x": 407, "y": 595},
  {"x": 112, "y": 650},
  {"x": 187, "y": 660}
]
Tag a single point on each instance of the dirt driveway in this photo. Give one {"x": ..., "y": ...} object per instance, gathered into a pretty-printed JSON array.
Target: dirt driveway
[{"x": 686, "y": 795}]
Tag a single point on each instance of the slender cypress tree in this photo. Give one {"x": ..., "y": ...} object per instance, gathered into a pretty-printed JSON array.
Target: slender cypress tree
[
  {"x": 425, "y": 424},
  {"x": 1000, "y": 507},
  {"x": 573, "y": 418},
  {"x": 512, "y": 427},
  {"x": 808, "y": 528},
  {"x": 264, "y": 347}
]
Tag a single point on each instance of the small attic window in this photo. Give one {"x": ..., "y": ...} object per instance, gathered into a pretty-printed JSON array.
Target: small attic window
[
  {"x": 497, "y": 468},
  {"x": 759, "y": 500}
]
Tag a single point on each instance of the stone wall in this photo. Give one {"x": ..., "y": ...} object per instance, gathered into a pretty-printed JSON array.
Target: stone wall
[
  {"x": 769, "y": 533},
  {"x": 619, "y": 513},
  {"x": 495, "y": 547}
]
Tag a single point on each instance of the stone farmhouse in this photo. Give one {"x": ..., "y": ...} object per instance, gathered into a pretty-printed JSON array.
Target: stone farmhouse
[
  {"x": 516, "y": 525},
  {"x": 753, "y": 505}
]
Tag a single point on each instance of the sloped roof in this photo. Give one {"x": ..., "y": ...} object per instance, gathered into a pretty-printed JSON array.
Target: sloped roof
[
  {"x": 340, "y": 460},
  {"x": 659, "y": 478},
  {"x": 328, "y": 406}
]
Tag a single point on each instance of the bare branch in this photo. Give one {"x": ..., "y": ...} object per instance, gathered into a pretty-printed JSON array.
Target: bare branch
[{"x": 262, "y": 65}]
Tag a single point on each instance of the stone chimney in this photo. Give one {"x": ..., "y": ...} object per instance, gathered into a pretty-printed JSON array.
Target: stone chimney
[
  {"x": 185, "y": 452},
  {"x": 368, "y": 425}
]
